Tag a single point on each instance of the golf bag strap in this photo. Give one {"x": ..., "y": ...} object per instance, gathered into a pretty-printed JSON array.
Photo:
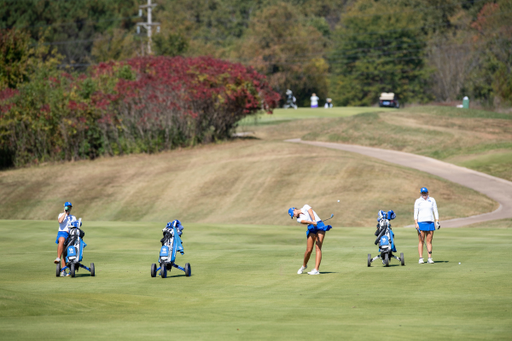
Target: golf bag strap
[{"x": 380, "y": 235}]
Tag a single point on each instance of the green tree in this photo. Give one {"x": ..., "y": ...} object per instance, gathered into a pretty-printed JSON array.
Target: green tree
[
  {"x": 281, "y": 45},
  {"x": 174, "y": 44},
  {"x": 71, "y": 26},
  {"x": 492, "y": 81},
  {"x": 379, "y": 47},
  {"x": 117, "y": 45},
  {"x": 14, "y": 58}
]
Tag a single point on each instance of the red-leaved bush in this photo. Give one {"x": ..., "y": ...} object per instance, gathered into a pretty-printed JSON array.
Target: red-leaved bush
[
  {"x": 185, "y": 100},
  {"x": 141, "y": 105}
]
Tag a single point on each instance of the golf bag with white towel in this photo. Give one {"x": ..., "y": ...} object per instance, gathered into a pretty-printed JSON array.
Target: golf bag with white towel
[
  {"x": 385, "y": 239},
  {"x": 74, "y": 251},
  {"x": 171, "y": 244}
]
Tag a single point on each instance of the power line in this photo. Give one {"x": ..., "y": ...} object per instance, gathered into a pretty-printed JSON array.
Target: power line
[
  {"x": 420, "y": 9},
  {"x": 331, "y": 60},
  {"x": 68, "y": 23}
]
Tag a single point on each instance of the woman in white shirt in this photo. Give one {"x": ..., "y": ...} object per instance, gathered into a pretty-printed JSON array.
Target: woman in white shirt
[
  {"x": 315, "y": 233},
  {"x": 314, "y": 101},
  {"x": 425, "y": 209}
]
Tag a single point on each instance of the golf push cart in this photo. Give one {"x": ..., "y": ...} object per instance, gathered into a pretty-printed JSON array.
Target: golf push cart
[
  {"x": 385, "y": 240},
  {"x": 171, "y": 244},
  {"x": 74, "y": 250}
]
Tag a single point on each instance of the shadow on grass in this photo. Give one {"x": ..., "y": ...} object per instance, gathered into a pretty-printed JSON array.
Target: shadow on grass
[
  {"x": 245, "y": 138},
  {"x": 82, "y": 275},
  {"x": 180, "y": 275}
]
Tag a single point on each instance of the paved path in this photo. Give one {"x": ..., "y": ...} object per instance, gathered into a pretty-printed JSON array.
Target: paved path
[{"x": 497, "y": 189}]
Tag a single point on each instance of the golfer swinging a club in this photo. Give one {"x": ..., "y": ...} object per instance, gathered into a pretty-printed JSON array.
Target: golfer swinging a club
[
  {"x": 425, "y": 208},
  {"x": 315, "y": 233}
]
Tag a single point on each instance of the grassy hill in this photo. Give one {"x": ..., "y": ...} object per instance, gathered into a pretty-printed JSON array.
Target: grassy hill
[
  {"x": 244, "y": 286},
  {"x": 476, "y": 139},
  {"x": 251, "y": 181}
]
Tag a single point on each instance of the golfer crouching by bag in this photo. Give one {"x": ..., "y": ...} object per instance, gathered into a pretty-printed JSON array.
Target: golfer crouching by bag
[{"x": 315, "y": 233}]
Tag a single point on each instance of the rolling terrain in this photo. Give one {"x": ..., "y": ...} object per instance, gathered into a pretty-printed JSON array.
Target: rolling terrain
[{"x": 252, "y": 180}]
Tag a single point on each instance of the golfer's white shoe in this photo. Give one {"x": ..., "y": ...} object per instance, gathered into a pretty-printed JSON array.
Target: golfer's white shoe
[
  {"x": 421, "y": 261},
  {"x": 314, "y": 272},
  {"x": 64, "y": 274},
  {"x": 301, "y": 270},
  {"x": 57, "y": 260},
  {"x": 430, "y": 261}
]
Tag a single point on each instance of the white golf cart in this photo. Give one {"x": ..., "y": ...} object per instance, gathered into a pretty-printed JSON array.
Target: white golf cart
[{"x": 389, "y": 100}]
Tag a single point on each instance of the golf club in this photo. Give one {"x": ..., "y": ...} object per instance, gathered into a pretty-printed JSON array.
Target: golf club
[{"x": 332, "y": 215}]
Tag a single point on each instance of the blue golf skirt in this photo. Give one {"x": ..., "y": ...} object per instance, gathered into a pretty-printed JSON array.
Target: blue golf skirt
[
  {"x": 427, "y": 226},
  {"x": 320, "y": 226},
  {"x": 61, "y": 234}
]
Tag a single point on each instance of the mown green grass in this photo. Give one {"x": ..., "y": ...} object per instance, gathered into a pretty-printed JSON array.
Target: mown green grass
[
  {"x": 284, "y": 115},
  {"x": 244, "y": 286}
]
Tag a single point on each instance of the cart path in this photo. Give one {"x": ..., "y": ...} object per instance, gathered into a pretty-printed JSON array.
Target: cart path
[{"x": 495, "y": 188}]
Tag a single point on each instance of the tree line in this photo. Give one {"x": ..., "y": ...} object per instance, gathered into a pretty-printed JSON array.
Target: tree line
[
  {"x": 57, "y": 105},
  {"x": 144, "y": 104},
  {"x": 350, "y": 50}
]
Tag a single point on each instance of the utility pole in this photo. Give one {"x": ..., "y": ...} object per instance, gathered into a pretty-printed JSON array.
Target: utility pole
[{"x": 148, "y": 25}]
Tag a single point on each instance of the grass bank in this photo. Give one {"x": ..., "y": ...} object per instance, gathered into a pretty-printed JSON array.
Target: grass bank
[
  {"x": 250, "y": 181},
  {"x": 476, "y": 139},
  {"x": 244, "y": 285}
]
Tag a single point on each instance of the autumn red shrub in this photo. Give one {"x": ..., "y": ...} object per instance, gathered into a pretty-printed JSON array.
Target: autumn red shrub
[
  {"x": 187, "y": 100},
  {"x": 141, "y": 105}
]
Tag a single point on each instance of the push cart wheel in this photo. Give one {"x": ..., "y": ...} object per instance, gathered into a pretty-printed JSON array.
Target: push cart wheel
[
  {"x": 153, "y": 270},
  {"x": 402, "y": 259},
  {"x": 163, "y": 270},
  {"x": 386, "y": 259},
  {"x": 72, "y": 269},
  {"x": 57, "y": 270},
  {"x": 93, "y": 270},
  {"x": 188, "y": 271},
  {"x": 369, "y": 260}
]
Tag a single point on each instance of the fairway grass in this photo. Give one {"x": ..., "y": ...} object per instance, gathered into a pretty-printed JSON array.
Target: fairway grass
[
  {"x": 244, "y": 285},
  {"x": 284, "y": 115}
]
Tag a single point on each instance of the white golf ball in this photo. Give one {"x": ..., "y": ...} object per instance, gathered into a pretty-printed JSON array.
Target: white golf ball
[
  {"x": 338, "y": 201},
  {"x": 459, "y": 263}
]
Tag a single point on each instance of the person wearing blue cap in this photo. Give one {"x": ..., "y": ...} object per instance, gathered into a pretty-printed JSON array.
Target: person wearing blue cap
[
  {"x": 425, "y": 209},
  {"x": 65, "y": 219},
  {"x": 315, "y": 235}
]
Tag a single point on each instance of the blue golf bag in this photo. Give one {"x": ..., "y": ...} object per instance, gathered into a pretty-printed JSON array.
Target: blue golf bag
[
  {"x": 171, "y": 245},
  {"x": 74, "y": 251},
  {"x": 385, "y": 239}
]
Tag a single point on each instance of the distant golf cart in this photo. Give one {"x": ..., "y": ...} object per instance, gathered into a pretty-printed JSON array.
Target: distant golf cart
[{"x": 388, "y": 100}]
